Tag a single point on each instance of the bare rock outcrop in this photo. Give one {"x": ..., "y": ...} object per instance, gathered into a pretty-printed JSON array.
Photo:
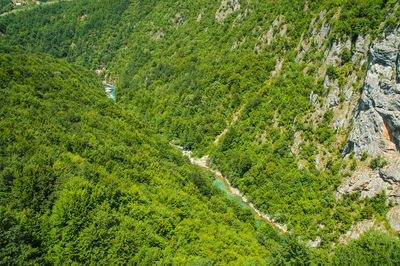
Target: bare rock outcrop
[
  {"x": 199, "y": 17},
  {"x": 335, "y": 51},
  {"x": 376, "y": 129},
  {"x": 319, "y": 30},
  {"x": 377, "y": 124},
  {"x": 356, "y": 231},
  {"x": 393, "y": 216},
  {"x": 361, "y": 49},
  {"x": 268, "y": 37},
  {"x": 157, "y": 35},
  {"x": 320, "y": 35},
  {"x": 226, "y": 8},
  {"x": 364, "y": 180}
]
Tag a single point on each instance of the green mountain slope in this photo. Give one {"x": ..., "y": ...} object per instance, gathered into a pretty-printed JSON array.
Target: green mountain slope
[
  {"x": 83, "y": 180},
  {"x": 267, "y": 89}
]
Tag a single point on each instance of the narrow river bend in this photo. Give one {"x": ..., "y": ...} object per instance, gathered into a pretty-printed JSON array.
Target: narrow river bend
[
  {"x": 224, "y": 184},
  {"x": 220, "y": 181}
]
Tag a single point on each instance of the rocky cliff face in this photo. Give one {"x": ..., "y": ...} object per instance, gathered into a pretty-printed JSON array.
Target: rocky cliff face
[
  {"x": 377, "y": 125},
  {"x": 374, "y": 114},
  {"x": 376, "y": 129}
]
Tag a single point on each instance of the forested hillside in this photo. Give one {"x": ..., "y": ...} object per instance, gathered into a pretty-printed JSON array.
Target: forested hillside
[
  {"x": 83, "y": 180},
  {"x": 268, "y": 90}
]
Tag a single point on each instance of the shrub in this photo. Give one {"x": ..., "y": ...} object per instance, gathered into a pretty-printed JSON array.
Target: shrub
[
  {"x": 332, "y": 72},
  {"x": 364, "y": 156},
  {"x": 346, "y": 55},
  {"x": 378, "y": 162}
]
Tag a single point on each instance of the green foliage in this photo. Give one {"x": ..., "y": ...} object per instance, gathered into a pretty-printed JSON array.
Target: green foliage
[
  {"x": 324, "y": 133},
  {"x": 110, "y": 191},
  {"x": 374, "y": 248},
  {"x": 378, "y": 162},
  {"x": 359, "y": 16},
  {"x": 5, "y": 6},
  {"x": 378, "y": 203},
  {"x": 367, "y": 212},
  {"x": 353, "y": 165},
  {"x": 67, "y": 32},
  {"x": 364, "y": 156},
  {"x": 83, "y": 181},
  {"x": 346, "y": 55},
  {"x": 392, "y": 19},
  {"x": 332, "y": 72}
]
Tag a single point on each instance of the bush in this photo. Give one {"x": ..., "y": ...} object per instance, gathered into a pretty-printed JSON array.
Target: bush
[
  {"x": 378, "y": 162},
  {"x": 346, "y": 55},
  {"x": 367, "y": 212},
  {"x": 332, "y": 72},
  {"x": 364, "y": 156},
  {"x": 353, "y": 165}
]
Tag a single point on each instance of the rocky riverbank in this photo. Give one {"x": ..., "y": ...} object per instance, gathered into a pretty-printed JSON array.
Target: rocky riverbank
[{"x": 202, "y": 162}]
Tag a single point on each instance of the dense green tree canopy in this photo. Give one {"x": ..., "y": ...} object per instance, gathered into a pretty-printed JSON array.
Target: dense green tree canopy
[{"x": 84, "y": 179}]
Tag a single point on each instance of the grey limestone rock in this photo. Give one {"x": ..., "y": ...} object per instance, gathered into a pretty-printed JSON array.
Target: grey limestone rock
[
  {"x": 376, "y": 128},
  {"x": 356, "y": 231},
  {"x": 391, "y": 173},
  {"x": 393, "y": 216},
  {"x": 313, "y": 99},
  {"x": 335, "y": 52},
  {"x": 315, "y": 243},
  {"x": 321, "y": 34},
  {"x": 333, "y": 97},
  {"x": 377, "y": 124},
  {"x": 398, "y": 69},
  {"x": 362, "y": 44},
  {"x": 334, "y": 58},
  {"x": 226, "y": 8},
  {"x": 361, "y": 49}
]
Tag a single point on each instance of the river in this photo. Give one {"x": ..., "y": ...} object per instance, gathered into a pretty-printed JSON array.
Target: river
[
  {"x": 109, "y": 91},
  {"x": 233, "y": 193},
  {"x": 220, "y": 181}
]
